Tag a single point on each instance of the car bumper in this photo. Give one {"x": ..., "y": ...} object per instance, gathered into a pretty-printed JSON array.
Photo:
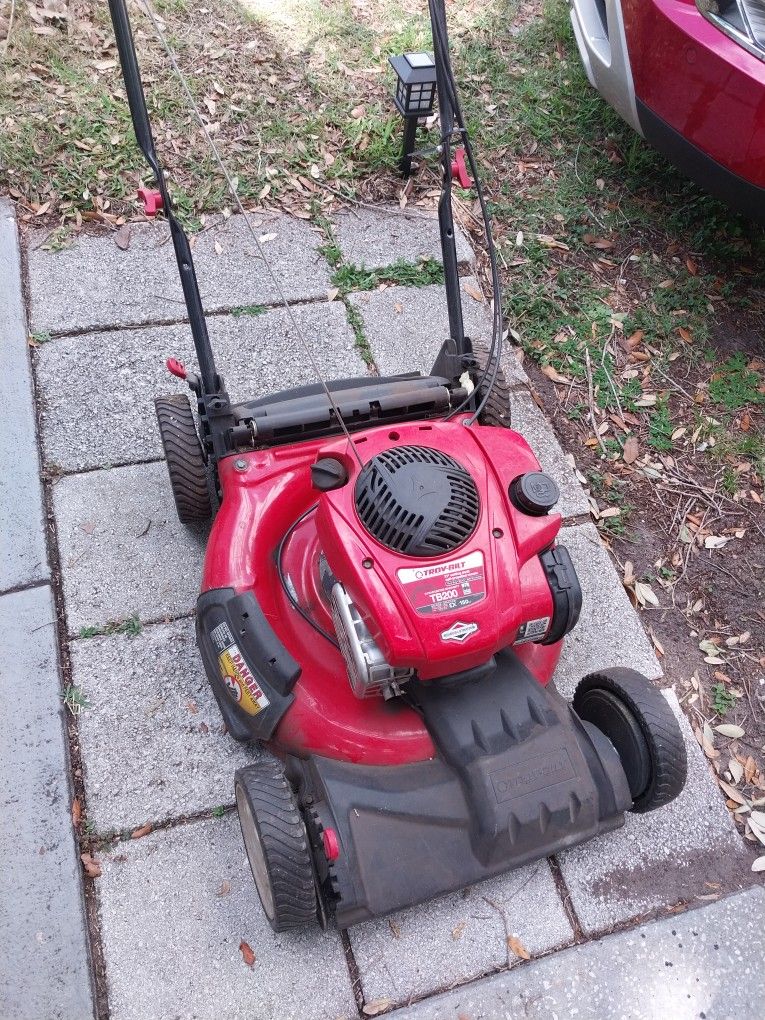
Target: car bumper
[{"x": 693, "y": 91}]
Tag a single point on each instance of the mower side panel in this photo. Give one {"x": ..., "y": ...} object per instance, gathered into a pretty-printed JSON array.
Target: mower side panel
[
  {"x": 250, "y": 671},
  {"x": 518, "y": 777}
]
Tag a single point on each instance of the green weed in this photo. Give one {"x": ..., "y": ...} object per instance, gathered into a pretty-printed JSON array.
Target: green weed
[
  {"x": 660, "y": 427},
  {"x": 131, "y": 626},
  {"x": 722, "y": 699},
  {"x": 75, "y": 699}
]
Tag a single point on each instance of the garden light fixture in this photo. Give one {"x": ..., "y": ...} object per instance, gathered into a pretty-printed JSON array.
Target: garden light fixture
[{"x": 414, "y": 97}]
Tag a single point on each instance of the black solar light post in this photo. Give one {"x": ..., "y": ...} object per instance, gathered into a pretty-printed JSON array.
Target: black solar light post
[{"x": 414, "y": 97}]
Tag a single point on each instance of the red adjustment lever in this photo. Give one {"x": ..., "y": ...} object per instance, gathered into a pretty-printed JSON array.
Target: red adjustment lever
[
  {"x": 175, "y": 368},
  {"x": 152, "y": 201},
  {"x": 459, "y": 170},
  {"x": 331, "y": 844}
]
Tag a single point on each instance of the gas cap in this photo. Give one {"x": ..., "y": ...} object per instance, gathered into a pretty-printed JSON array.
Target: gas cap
[{"x": 534, "y": 493}]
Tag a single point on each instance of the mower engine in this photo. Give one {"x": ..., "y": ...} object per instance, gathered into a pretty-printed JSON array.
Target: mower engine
[{"x": 424, "y": 580}]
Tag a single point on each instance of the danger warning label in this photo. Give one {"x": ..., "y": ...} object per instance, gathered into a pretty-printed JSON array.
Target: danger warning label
[
  {"x": 235, "y": 673},
  {"x": 445, "y": 587}
]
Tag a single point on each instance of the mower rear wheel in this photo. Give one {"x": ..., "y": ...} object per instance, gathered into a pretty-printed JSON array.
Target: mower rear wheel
[
  {"x": 276, "y": 843},
  {"x": 497, "y": 408},
  {"x": 185, "y": 461},
  {"x": 636, "y": 718}
]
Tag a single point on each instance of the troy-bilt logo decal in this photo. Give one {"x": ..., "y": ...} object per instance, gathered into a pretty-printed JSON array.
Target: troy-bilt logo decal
[
  {"x": 445, "y": 587},
  {"x": 236, "y": 674},
  {"x": 459, "y": 631}
]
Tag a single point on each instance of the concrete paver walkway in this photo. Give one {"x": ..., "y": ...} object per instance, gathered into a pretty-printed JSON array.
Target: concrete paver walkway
[{"x": 175, "y": 905}]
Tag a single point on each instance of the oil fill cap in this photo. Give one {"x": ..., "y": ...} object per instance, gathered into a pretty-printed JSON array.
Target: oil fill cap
[
  {"x": 328, "y": 473},
  {"x": 534, "y": 493}
]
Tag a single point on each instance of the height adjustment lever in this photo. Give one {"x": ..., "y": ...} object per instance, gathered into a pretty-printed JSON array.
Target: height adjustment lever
[
  {"x": 152, "y": 201},
  {"x": 178, "y": 369},
  {"x": 459, "y": 169}
]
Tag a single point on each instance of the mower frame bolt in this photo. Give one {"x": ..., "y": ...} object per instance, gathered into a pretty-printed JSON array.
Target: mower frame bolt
[
  {"x": 240, "y": 465},
  {"x": 466, "y": 421},
  {"x": 497, "y": 532},
  {"x": 367, "y": 564}
]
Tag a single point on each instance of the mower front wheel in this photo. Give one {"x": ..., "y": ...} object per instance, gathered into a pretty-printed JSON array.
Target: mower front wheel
[
  {"x": 626, "y": 707},
  {"x": 276, "y": 843},
  {"x": 184, "y": 457}
]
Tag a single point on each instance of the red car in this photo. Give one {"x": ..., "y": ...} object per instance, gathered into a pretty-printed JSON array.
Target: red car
[{"x": 689, "y": 76}]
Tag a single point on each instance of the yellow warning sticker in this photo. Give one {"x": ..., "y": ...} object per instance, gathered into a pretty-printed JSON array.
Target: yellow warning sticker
[{"x": 241, "y": 684}]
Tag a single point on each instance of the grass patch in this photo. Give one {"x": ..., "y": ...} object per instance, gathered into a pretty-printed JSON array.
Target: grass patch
[
  {"x": 360, "y": 337},
  {"x": 131, "y": 626},
  {"x": 248, "y": 310},
  {"x": 734, "y": 384},
  {"x": 406, "y": 274}
]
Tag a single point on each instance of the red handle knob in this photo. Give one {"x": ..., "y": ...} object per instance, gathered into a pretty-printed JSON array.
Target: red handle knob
[
  {"x": 175, "y": 368},
  {"x": 152, "y": 201},
  {"x": 459, "y": 170}
]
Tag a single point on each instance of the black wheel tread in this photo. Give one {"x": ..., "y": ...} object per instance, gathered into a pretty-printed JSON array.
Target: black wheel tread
[
  {"x": 185, "y": 462},
  {"x": 284, "y": 841},
  {"x": 659, "y": 726},
  {"x": 497, "y": 408}
]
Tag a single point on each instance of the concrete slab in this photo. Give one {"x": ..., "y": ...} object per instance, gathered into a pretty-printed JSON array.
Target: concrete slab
[
  {"x": 705, "y": 963},
  {"x": 687, "y": 849},
  {"x": 175, "y": 907},
  {"x": 609, "y": 631},
  {"x": 405, "y": 327},
  {"x": 147, "y": 693},
  {"x": 97, "y": 391},
  {"x": 123, "y": 550},
  {"x": 23, "y": 553},
  {"x": 459, "y": 937},
  {"x": 92, "y": 283},
  {"x": 44, "y": 954},
  {"x": 375, "y": 238},
  {"x": 527, "y": 419}
]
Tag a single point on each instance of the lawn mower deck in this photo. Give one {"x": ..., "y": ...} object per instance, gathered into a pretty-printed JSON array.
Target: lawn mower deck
[{"x": 383, "y": 604}]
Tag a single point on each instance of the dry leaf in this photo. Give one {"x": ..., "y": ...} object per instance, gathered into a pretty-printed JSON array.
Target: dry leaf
[
  {"x": 247, "y": 954},
  {"x": 730, "y": 730},
  {"x": 144, "y": 830},
  {"x": 736, "y": 770},
  {"x": 122, "y": 237},
  {"x": 91, "y": 865},
  {"x": 715, "y": 541},
  {"x": 224, "y": 889},
  {"x": 473, "y": 291},
  {"x": 732, "y": 792},
  {"x": 332, "y": 293},
  {"x": 76, "y": 812},
  {"x": 645, "y": 594},
  {"x": 685, "y": 334},
  {"x": 376, "y": 1006},
  {"x": 264, "y": 238},
  {"x": 458, "y": 930},
  {"x": 631, "y": 450},
  {"x": 554, "y": 375},
  {"x": 517, "y": 947}
]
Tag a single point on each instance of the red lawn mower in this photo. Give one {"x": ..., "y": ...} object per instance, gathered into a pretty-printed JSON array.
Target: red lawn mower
[{"x": 383, "y": 604}]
